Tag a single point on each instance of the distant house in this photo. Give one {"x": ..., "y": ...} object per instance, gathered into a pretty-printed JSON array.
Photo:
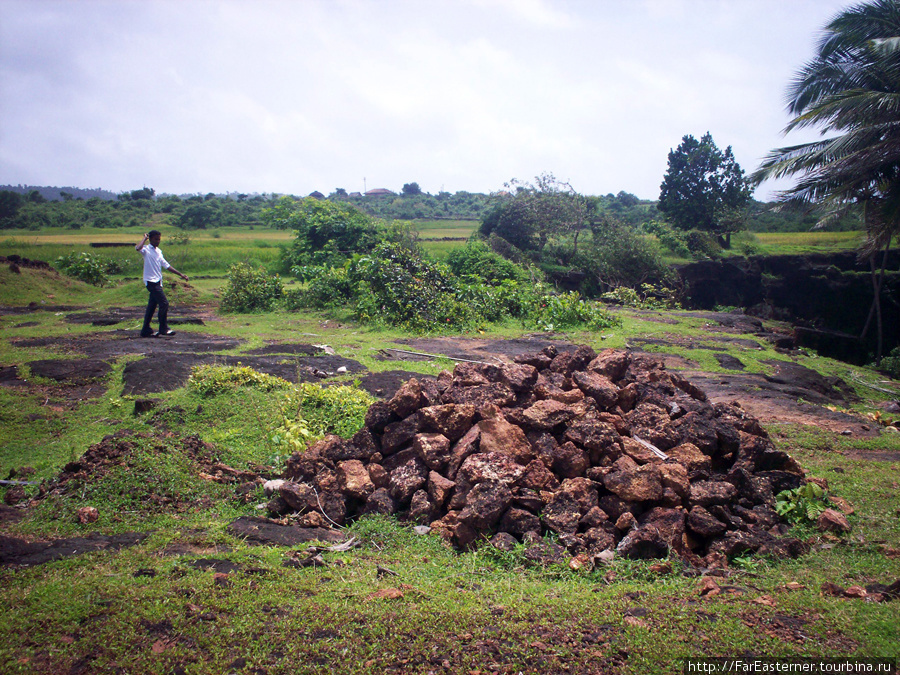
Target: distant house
[
  {"x": 317, "y": 195},
  {"x": 353, "y": 195},
  {"x": 379, "y": 192}
]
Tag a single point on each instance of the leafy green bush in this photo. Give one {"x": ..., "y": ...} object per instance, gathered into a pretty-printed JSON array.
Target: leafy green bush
[
  {"x": 331, "y": 287},
  {"x": 618, "y": 255},
  {"x": 570, "y": 310},
  {"x": 478, "y": 260},
  {"x": 93, "y": 270},
  {"x": 668, "y": 237},
  {"x": 649, "y": 297},
  {"x": 312, "y": 411},
  {"x": 397, "y": 287},
  {"x": 890, "y": 364},
  {"x": 327, "y": 233},
  {"x": 212, "y": 380},
  {"x": 804, "y": 503},
  {"x": 702, "y": 244},
  {"x": 250, "y": 289}
]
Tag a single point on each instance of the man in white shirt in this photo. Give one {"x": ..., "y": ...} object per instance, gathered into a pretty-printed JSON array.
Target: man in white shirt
[{"x": 154, "y": 264}]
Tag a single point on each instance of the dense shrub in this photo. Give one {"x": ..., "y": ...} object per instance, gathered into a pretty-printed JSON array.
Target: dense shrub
[
  {"x": 649, "y": 297},
  {"x": 327, "y": 233},
  {"x": 91, "y": 269},
  {"x": 330, "y": 287},
  {"x": 669, "y": 238},
  {"x": 890, "y": 364},
  {"x": 618, "y": 255},
  {"x": 702, "y": 244},
  {"x": 394, "y": 286},
  {"x": 250, "y": 289},
  {"x": 570, "y": 310},
  {"x": 213, "y": 380},
  {"x": 312, "y": 411},
  {"x": 477, "y": 259}
]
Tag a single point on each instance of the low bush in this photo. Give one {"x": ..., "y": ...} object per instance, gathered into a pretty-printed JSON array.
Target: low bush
[
  {"x": 649, "y": 297},
  {"x": 311, "y": 412},
  {"x": 702, "y": 244},
  {"x": 802, "y": 504},
  {"x": 890, "y": 364},
  {"x": 396, "y": 287},
  {"x": 212, "y": 380},
  {"x": 476, "y": 259},
  {"x": 250, "y": 289},
  {"x": 570, "y": 310},
  {"x": 91, "y": 269},
  {"x": 668, "y": 237}
]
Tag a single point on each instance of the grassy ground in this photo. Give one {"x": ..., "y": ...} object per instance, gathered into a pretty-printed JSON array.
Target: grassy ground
[{"x": 160, "y": 607}]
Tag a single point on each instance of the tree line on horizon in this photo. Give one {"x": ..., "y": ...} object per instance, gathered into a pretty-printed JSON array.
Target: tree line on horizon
[{"x": 29, "y": 207}]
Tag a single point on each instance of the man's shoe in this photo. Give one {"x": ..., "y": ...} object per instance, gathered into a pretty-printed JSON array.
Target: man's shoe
[
  {"x": 166, "y": 333},
  {"x": 148, "y": 335}
]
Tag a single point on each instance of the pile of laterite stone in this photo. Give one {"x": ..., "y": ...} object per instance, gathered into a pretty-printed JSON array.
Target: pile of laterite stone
[{"x": 610, "y": 452}]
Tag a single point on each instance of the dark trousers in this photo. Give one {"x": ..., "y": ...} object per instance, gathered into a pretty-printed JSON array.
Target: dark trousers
[{"x": 157, "y": 299}]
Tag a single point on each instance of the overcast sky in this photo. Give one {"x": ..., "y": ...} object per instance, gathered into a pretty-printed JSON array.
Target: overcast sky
[{"x": 193, "y": 96}]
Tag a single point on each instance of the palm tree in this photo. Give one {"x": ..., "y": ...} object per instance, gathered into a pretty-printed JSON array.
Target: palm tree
[{"x": 851, "y": 92}]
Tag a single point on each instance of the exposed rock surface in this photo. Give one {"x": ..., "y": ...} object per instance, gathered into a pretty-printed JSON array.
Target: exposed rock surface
[{"x": 607, "y": 451}]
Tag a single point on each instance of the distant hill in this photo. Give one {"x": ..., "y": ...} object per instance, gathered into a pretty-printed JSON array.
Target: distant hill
[{"x": 53, "y": 193}]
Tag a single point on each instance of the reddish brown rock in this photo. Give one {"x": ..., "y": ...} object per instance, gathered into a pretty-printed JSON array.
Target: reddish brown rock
[
  {"x": 407, "y": 477},
  {"x": 519, "y": 521},
  {"x": 599, "y": 387},
  {"x": 690, "y": 456},
  {"x": 489, "y": 466},
  {"x": 464, "y": 447},
  {"x": 561, "y": 514},
  {"x": 583, "y": 491},
  {"x": 643, "y": 484},
  {"x": 702, "y": 522},
  {"x": 439, "y": 488},
  {"x": 495, "y": 393},
  {"x": 87, "y": 514},
  {"x": 611, "y": 363},
  {"x": 409, "y": 398},
  {"x": 420, "y": 508},
  {"x": 519, "y": 377},
  {"x": 569, "y": 362},
  {"x": 398, "y": 434},
  {"x": 706, "y": 492},
  {"x": 547, "y": 414},
  {"x": 380, "y": 502},
  {"x": 298, "y": 496},
  {"x": 378, "y": 475},
  {"x": 450, "y": 420},
  {"x": 498, "y": 435},
  {"x": 833, "y": 521},
  {"x": 354, "y": 480},
  {"x": 433, "y": 449},
  {"x": 568, "y": 460},
  {"x": 485, "y": 504},
  {"x": 538, "y": 477}
]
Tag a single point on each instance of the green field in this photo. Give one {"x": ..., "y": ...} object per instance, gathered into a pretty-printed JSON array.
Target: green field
[{"x": 211, "y": 252}]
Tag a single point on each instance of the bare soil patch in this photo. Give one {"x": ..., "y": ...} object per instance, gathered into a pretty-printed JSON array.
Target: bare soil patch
[{"x": 21, "y": 553}]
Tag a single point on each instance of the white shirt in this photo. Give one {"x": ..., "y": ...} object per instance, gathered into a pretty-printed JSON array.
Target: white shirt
[{"x": 154, "y": 263}]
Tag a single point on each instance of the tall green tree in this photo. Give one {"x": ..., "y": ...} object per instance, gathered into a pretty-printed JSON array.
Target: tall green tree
[
  {"x": 850, "y": 91},
  {"x": 704, "y": 188}
]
